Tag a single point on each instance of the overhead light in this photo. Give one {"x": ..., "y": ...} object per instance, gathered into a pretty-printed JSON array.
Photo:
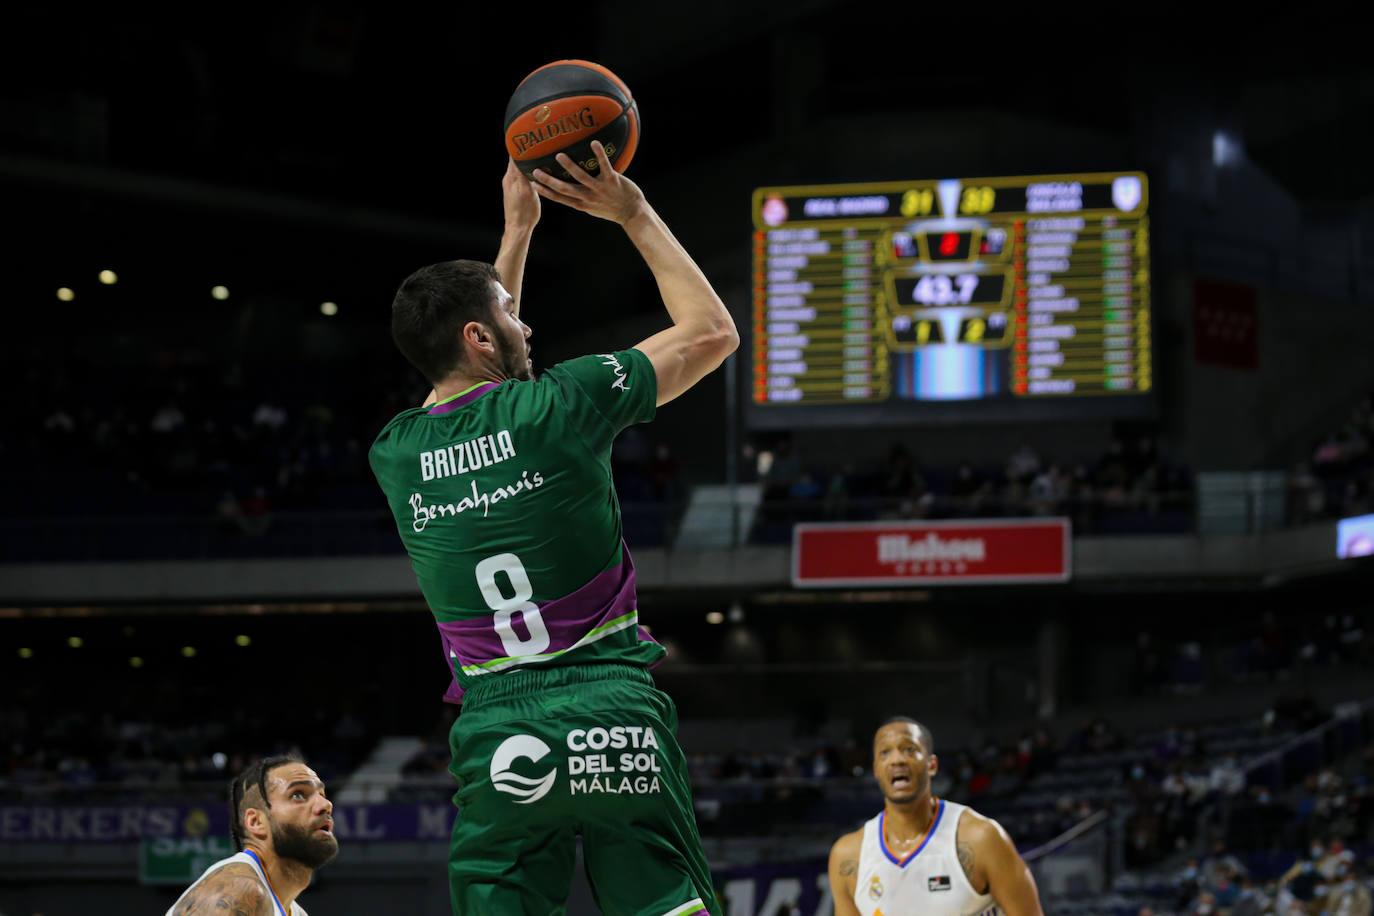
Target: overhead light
[
  {"x": 109, "y": 277},
  {"x": 135, "y": 662},
  {"x": 188, "y": 651},
  {"x": 1226, "y": 149},
  {"x": 329, "y": 308},
  {"x": 715, "y": 617},
  {"x": 26, "y": 652},
  {"x": 75, "y": 642},
  {"x": 242, "y": 640},
  {"x": 220, "y": 292},
  {"x": 65, "y": 294}
]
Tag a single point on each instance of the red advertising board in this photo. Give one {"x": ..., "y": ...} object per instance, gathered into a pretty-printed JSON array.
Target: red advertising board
[{"x": 927, "y": 553}]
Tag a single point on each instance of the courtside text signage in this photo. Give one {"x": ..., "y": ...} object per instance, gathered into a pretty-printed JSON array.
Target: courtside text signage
[{"x": 926, "y": 553}]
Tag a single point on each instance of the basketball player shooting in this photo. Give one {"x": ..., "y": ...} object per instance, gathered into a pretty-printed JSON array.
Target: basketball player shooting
[
  {"x": 922, "y": 854},
  {"x": 501, "y": 488}
]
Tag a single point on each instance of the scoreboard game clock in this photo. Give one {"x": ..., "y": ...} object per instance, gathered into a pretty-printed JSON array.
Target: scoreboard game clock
[{"x": 993, "y": 298}]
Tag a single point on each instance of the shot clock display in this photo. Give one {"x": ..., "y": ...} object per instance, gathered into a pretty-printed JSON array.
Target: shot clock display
[{"x": 943, "y": 295}]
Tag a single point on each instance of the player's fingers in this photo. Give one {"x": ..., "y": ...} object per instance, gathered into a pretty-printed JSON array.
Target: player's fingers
[
  {"x": 544, "y": 179},
  {"x": 551, "y": 194},
  {"x": 600, "y": 151},
  {"x": 578, "y": 173}
]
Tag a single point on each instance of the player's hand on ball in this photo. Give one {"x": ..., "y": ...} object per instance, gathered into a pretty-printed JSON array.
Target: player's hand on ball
[
  {"x": 521, "y": 201},
  {"x": 608, "y": 194}
]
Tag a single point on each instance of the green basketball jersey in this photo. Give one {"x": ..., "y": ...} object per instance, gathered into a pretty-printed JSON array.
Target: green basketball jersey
[{"x": 503, "y": 498}]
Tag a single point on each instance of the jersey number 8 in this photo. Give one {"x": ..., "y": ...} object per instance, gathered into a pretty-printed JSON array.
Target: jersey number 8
[{"x": 506, "y": 608}]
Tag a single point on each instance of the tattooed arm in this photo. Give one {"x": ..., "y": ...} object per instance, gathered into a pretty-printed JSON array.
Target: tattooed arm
[
  {"x": 234, "y": 890},
  {"x": 844, "y": 871},
  {"x": 993, "y": 866}
]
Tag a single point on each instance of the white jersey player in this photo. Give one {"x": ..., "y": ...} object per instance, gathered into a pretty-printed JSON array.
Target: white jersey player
[
  {"x": 922, "y": 854},
  {"x": 240, "y": 878},
  {"x": 283, "y": 826}
]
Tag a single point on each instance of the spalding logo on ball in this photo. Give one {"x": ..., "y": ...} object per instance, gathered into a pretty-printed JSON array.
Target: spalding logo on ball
[{"x": 561, "y": 108}]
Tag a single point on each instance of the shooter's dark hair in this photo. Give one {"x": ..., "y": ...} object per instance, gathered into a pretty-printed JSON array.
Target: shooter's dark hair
[
  {"x": 253, "y": 778},
  {"x": 430, "y": 308},
  {"x": 927, "y": 739}
]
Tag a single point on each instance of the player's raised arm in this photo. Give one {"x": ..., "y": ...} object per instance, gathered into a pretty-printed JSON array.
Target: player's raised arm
[
  {"x": 844, "y": 869},
  {"x": 702, "y": 334},
  {"x": 521, "y": 206},
  {"x": 522, "y": 213}
]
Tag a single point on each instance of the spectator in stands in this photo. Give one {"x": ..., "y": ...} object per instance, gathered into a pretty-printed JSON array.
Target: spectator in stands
[
  {"x": 969, "y": 491},
  {"x": 1251, "y": 899},
  {"x": 1306, "y": 495},
  {"x": 1301, "y": 879},
  {"x": 1142, "y": 838},
  {"x": 899, "y": 477},
  {"x": 1096, "y": 736},
  {"x": 1204, "y": 905},
  {"x": 1219, "y": 866},
  {"x": 1227, "y": 778},
  {"x": 837, "y": 492},
  {"x": 256, "y": 515},
  {"x": 1143, "y": 459},
  {"x": 1023, "y": 464},
  {"x": 1048, "y": 491},
  {"x": 1336, "y": 859},
  {"x": 1112, "y": 475},
  {"x": 1349, "y": 895},
  {"x": 1187, "y": 884},
  {"x": 228, "y": 512},
  {"x": 1188, "y": 673},
  {"x": 1081, "y": 503}
]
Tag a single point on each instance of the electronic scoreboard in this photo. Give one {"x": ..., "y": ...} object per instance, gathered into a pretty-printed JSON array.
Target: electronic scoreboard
[{"x": 992, "y": 298}]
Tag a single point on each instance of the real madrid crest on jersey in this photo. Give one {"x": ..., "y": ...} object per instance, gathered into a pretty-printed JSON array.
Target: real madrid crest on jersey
[{"x": 875, "y": 888}]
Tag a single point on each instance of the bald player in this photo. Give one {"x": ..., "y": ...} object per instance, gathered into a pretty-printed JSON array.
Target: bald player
[
  {"x": 283, "y": 826},
  {"x": 924, "y": 854}
]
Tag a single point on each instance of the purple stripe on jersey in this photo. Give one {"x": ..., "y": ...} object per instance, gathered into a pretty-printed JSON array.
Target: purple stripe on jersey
[
  {"x": 454, "y": 694},
  {"x": 606, "y": 597},
  {"x": 461, "y": 400}
]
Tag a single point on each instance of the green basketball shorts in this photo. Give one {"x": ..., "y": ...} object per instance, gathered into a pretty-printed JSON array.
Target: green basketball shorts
[{"x": 544, "y": 755}]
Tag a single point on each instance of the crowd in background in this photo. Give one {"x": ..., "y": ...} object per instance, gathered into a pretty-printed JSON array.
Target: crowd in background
[
  {"x": 234, "y": 456},
  {"x": 1126, "y": 487},
  {"x": 1336, "y": 479},
  {"x": 1264, "y": 647},
  {"x": 236, "y": 450}
]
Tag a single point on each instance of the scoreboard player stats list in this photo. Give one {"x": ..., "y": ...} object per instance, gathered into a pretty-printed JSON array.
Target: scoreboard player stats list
[{"x": 953, "y": 289}]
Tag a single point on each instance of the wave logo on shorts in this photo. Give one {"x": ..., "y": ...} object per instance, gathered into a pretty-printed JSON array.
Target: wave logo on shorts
[{"x": 526, "y": 790}]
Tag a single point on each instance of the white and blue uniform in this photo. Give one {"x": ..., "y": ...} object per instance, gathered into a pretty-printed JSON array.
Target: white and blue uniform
[
  {"x": 249, "y": 858},
  {"x": 929, "y": 880}
]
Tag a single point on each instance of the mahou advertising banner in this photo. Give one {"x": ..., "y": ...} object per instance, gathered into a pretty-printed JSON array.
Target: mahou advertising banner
[{"x": 931, "y": 553}]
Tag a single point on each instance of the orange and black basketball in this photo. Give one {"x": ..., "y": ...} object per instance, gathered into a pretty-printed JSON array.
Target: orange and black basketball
[{"x": 561, "y": 108}]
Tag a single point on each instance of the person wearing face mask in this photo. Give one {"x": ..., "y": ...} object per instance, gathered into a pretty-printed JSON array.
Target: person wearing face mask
[
  {"x": 1336, "y": 858},
  {"x": 1302, "y": 877},
  {"x": 1349, "y": 896},
  {"x": 1205, "y": 905}
]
